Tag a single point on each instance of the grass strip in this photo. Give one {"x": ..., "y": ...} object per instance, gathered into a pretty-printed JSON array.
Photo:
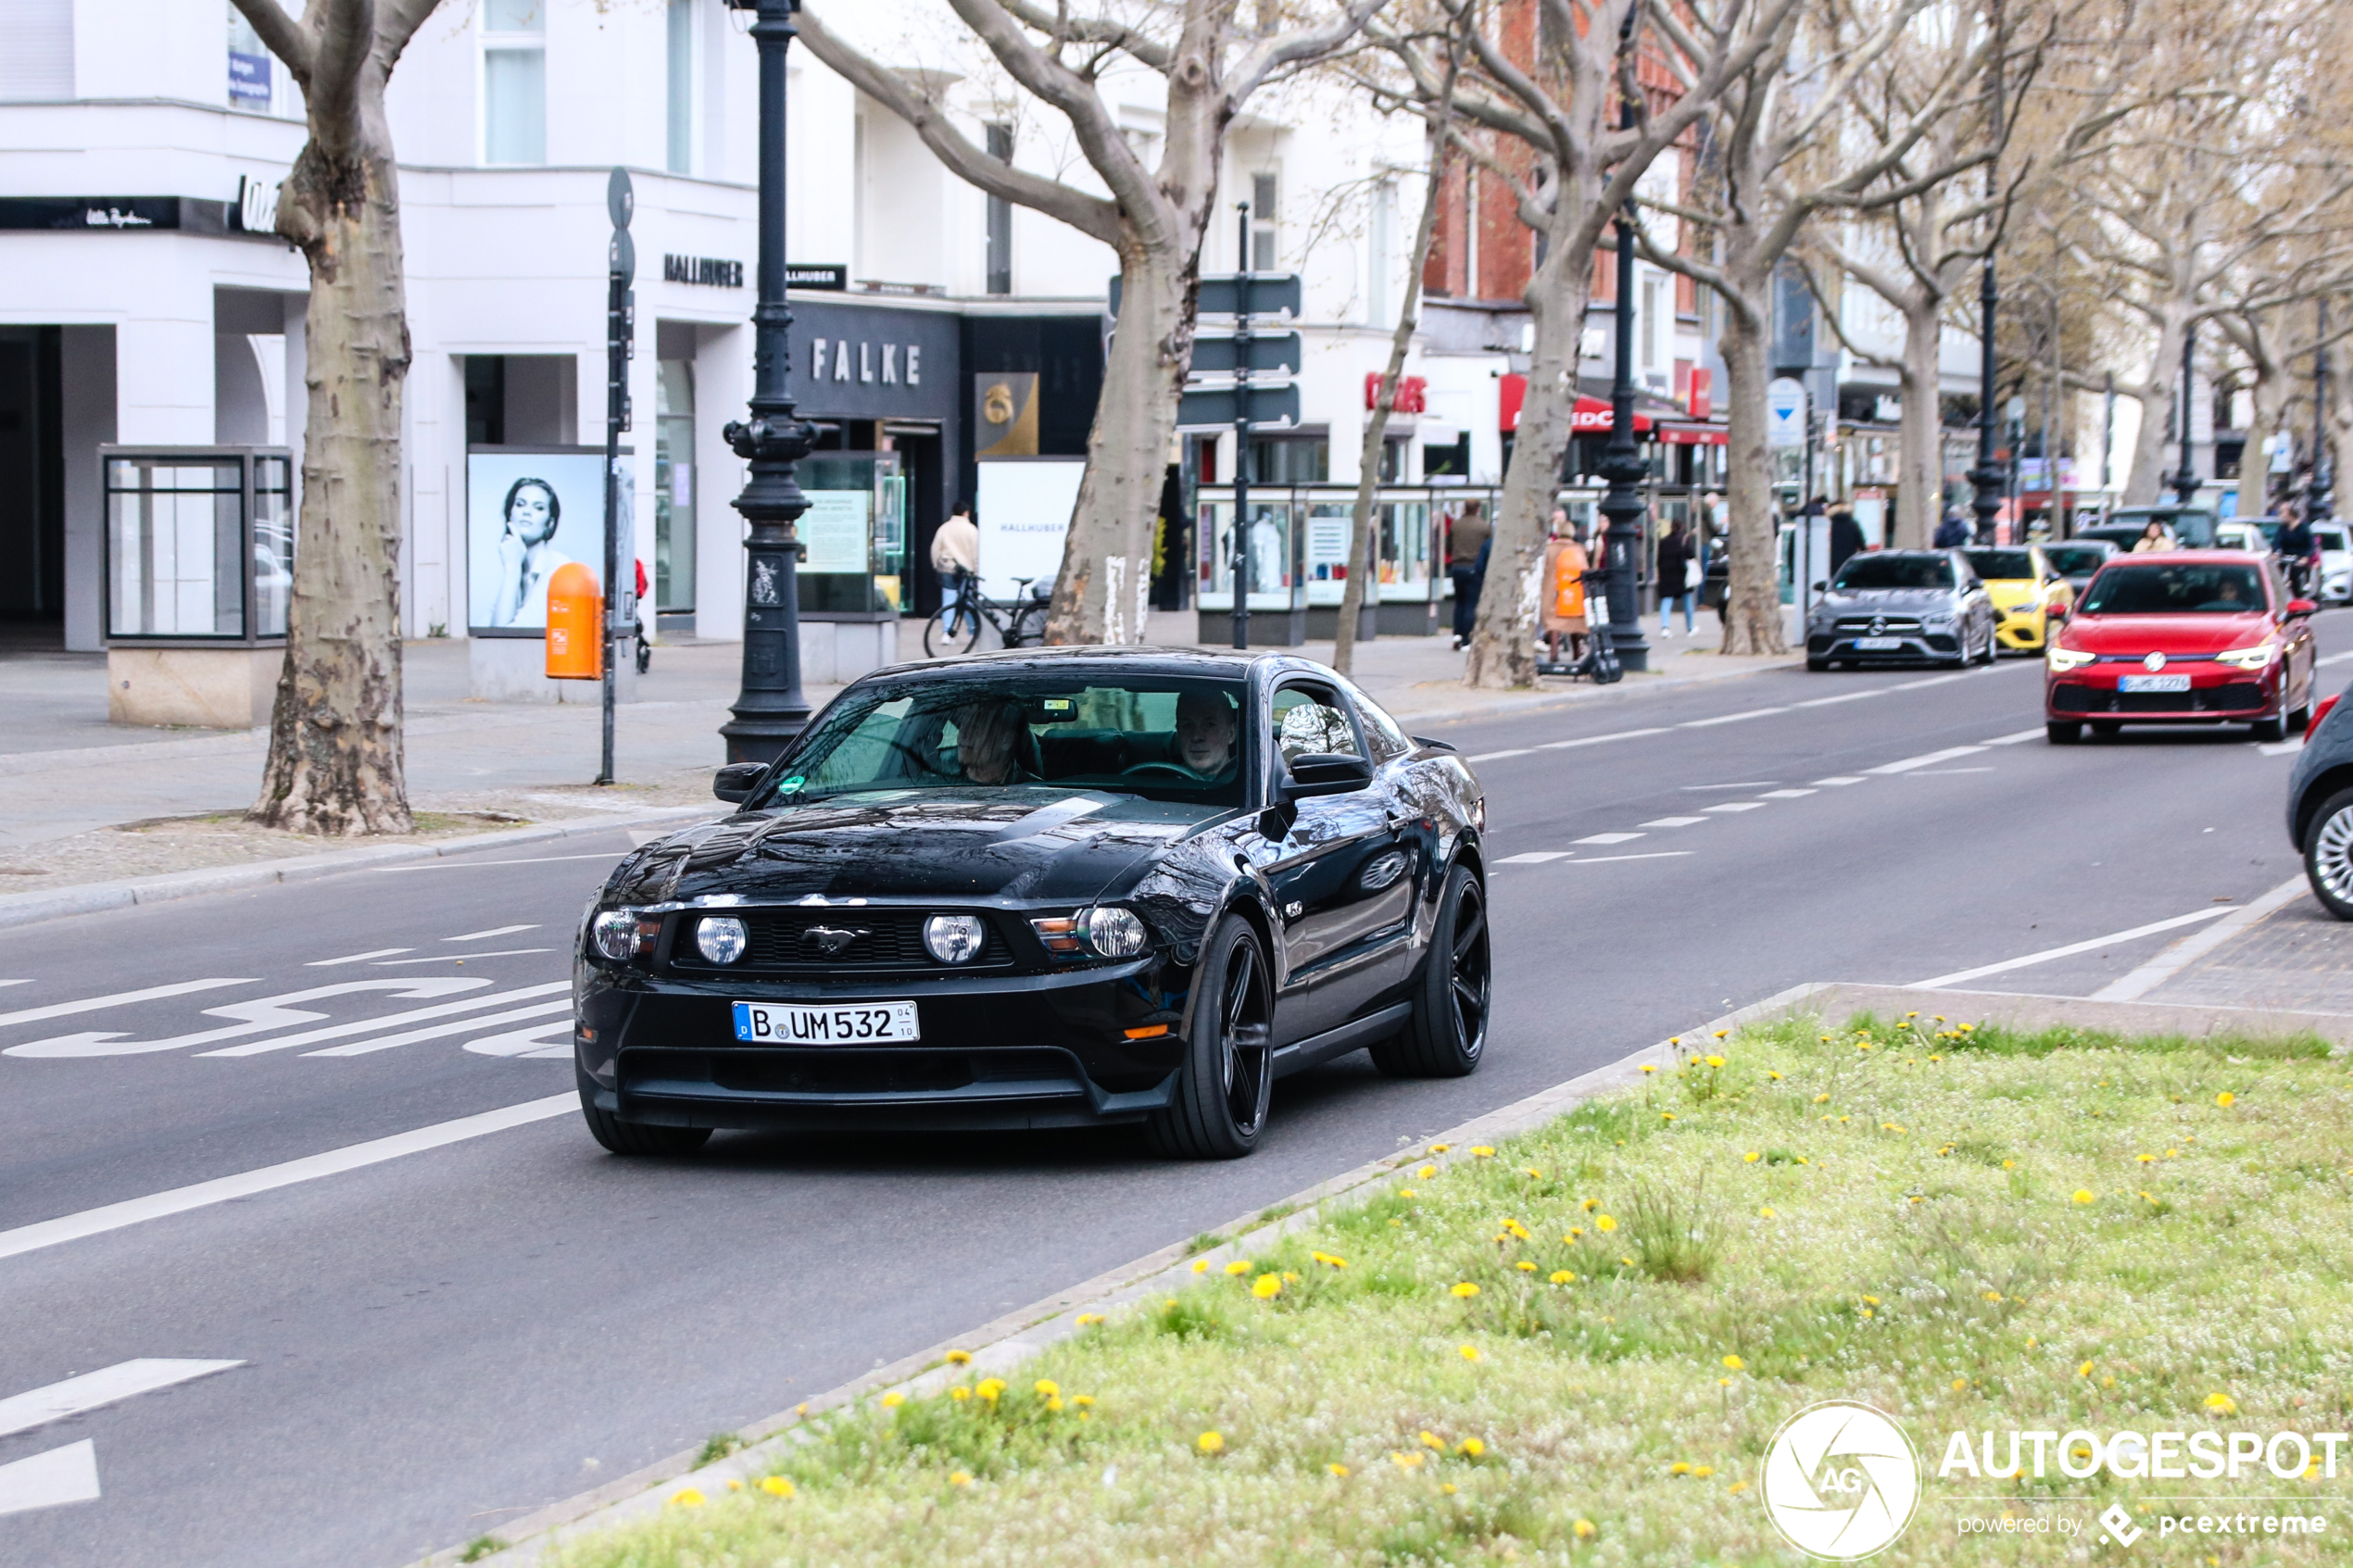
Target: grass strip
[{"x": 1576, "y": 1347}]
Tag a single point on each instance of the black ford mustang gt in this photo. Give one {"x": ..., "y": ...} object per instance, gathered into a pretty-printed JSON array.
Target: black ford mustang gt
[{"x": 1039, "y": 889}]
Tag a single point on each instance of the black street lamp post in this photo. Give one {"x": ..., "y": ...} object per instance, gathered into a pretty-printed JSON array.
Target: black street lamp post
[
  {"x": 2318, "y": 500},
  {"x": 1622, "y": 464},
  {"x": 1989, "y": 476},
  {"x": 770, "y": 709},
  {"x": 2187, "y": 483}
]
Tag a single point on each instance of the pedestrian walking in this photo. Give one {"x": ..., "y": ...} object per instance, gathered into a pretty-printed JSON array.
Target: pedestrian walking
[
  {"x": 1846, "y": 538},
  {"x": 955, "y": 551},
  {"x": 1565, "y": 602},
  {"x": 1467, "y": 567},
  {"x": 1678, "y": 576},
  {"x": 2297, "y": 549},
  {"x": 1952, "y": 534}
]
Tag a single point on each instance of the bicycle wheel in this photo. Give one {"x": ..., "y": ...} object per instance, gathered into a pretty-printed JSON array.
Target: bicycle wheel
[{"x": 954, "y": 627}]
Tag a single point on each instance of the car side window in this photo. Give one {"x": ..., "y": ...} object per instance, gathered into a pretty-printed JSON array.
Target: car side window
[
  {"x": 1311, "y": 719},
  {"x": 1389, "y": 742}
]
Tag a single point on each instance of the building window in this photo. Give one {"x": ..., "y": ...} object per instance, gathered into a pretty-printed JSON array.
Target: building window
[
  {"x": 1000, "y": 218},
  {"x": 1265, "y": 209},
  {"x": 682, "y": 87},
  {"x": 1293, "y": 459},
  {"x": 514, "y": 82},
  {"x": 251, "y": 70}
]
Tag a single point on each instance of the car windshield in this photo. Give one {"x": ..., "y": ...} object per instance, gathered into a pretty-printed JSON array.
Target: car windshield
[
  {"x": 2191, "y": 530},
  {"x": 1994, "y": 564},
  {"x": 2075, "y": 560},
  {"x": 1887, "y": 570},
  {"x": 2329, "y": 538},
  {"x": 1164, "y": 738},
  {"x": 2188, "y": 588}
]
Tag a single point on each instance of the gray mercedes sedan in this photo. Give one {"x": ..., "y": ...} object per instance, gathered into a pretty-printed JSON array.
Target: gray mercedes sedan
[{"x": 1902, "y": 606}]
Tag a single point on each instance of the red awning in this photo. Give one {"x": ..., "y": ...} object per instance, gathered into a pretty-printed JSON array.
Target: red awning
[{"x": 1693, "y": 435}]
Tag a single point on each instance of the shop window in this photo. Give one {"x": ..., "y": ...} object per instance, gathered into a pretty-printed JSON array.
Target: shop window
[
  {"x": 673, "y": 487},
  {"x": 251, "y": 69},
  {"x": 1451, "y": 460},
  {"x": 1393, "y": 459},
  {"x": 1293, "y": 459},
  {"x": 1000, "y": 218},
  {"x": 1265, "y": 213},
  {"x": 681, "y": 85},
  {"x": 514, "y": 82}
]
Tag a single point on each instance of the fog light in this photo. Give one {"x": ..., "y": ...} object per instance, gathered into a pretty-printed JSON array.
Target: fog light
[
  {"x": 954, "y": 938},
  {"x": 721, "y": 940},
  {"x": 1113, "y": 932},
  {"x": 614, "y": 934}
]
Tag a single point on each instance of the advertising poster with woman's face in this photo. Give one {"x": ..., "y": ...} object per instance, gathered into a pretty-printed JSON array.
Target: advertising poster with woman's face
[{"x": 528, "y": 513}]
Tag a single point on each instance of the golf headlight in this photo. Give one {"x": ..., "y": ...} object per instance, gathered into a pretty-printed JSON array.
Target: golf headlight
[
  {"x": 2061, "y": 660},
  {"x": 614, "y": 934},
  {"x": 954, "y": 938},
  {"x": 1113, "y": 932},
  {"x": 720, "y": 940},
  {"x": 2256, "y": 658}
]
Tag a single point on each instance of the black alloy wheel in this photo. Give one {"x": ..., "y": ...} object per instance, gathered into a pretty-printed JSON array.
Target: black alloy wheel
[
  {"x": 639, "y": 1137},
  {"x": 1447, "y": 1032},
  {"x": 2268, "y": 731},
  {"x": 1227, "y": 1078},
  {"x": 2328, "y": 854}
]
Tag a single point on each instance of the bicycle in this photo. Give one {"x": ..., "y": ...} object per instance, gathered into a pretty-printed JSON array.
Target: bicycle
[
  {"x": 955, "y": 626},
  {"x": 1598, "y": 662}
]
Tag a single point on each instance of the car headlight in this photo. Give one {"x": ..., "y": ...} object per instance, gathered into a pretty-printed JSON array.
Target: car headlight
[
  {"x": 722, "y": 939},
  {"x": 954, "y": 938},
  {"x": 2254, "y": 657},
  {"x": 1113, "y": 931},
  {"x": 1937, "y": 618},
  {"x": 2061, "y": 660},
  {"x": 614, "y": 934}
]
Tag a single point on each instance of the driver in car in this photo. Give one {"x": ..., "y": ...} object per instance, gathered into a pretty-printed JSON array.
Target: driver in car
[
  {"x": 988, "y": 732},
  {"x": 1206, "y": 731}
]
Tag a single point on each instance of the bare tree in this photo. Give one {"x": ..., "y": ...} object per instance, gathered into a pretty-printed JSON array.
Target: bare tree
[
  {"x": 334, "y": 762},
  {"x": 1153, "y": 218}
]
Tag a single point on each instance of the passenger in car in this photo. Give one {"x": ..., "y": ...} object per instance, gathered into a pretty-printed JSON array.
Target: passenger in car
[
  {"x": 1206, "y": 730},
  {"x": 987, "y": 733}
]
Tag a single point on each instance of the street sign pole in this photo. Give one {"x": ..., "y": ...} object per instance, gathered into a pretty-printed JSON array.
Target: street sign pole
[
  {"x": 621, "y": 303},
  {"x": 1241, "y": 436}
]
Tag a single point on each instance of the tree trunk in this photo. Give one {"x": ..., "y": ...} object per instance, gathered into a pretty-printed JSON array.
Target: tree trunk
[
  {"x": 2160, "y": 401},
  {"x": 1103, "y": 592},
  {"x": 1752, "y": 602},
  {"x": 2255, "y": 462},
  {"x": 1503, "y": 648},
  {"x": 1919, "y": 475},
  {"x": 334, "y": 763}
]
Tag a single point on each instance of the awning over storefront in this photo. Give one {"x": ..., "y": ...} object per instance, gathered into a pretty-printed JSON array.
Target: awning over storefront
[{"x": 1591, "y": 415}]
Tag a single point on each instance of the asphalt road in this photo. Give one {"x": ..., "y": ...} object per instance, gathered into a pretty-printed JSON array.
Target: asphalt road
[{"x": 432, "y": 1345}]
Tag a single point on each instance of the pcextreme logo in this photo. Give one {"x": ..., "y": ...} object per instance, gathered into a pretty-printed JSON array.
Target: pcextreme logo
[{"x": 1841, "y": 1480}]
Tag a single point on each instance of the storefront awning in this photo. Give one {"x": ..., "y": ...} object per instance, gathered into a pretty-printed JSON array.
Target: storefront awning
[{"x": 1591, "y": 415}]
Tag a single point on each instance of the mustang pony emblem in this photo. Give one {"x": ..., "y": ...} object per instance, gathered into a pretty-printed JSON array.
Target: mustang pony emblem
[{"x": 831, "y": 939}]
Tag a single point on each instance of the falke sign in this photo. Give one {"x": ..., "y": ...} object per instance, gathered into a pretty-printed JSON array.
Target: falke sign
[{"x": 707, "y": 270}]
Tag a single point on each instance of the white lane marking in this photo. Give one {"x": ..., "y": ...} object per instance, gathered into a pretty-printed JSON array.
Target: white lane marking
[
  {"x": 1842, "y": 696},
  {"x": 1673, "y": 821},
  {"x": 461, "y": 957},
  {"x": 1931, "y": 681},
  {"x": 1533, "y": 858},
  {"x": 1492, "y": 756},
  {"x": 2332, "y": 659},
  {"x": 93, "y": 1390},
  {"x": 415, "y": 1015},
  {"x": 2092, "y": 944},
  {"x": 119, "y": 998},
  {"x": 1736, "y": 806},
  {"x": 61, "y": 1476},
  {"x": 1728, "y": 718},
  {"x": 222, "y": 1189},
  {"x": 1929, "y": 760},
  {"x": 640, "y": 837},
  {"x": 1944, "y": 773},
  {"x": 2037, "y": 733},
  {"x": 1653, "y": 855},
  {"x": 2281, "y": 748},
  {"x": 1596, "y": 740},
  {"x": 1841, "y": 780},
  {"x": 251, "y": 1018},
  {"x": 455, "y": 865},
  {"x": 532, "y": 1043},
  {"x": 437, "y": 1030},
  {"x": 14, "y": 982},
  {"x": 357, "y": 957},
  {"x": 1608, "y": 837},
  {"x": 493, "y": 931},
  {"x": 1745, "y": 784},
  {"x": 2181, "y": 955},
  {"x": 1788, "y": 794}
]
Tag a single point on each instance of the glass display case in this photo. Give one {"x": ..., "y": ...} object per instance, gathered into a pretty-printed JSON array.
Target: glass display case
[
  {"x": 855, "y": 530},
  {"x": 1300, "y": 538},
  {"x": 199, "y": 545}
]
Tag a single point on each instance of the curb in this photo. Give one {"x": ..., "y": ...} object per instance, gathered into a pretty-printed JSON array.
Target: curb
[
  {"x": 29, "y": 909},
  {"x": 1515, "y": 702}
]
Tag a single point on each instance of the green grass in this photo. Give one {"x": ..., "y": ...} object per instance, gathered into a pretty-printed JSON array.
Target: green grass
[{"x": 1889, "y": 1214}]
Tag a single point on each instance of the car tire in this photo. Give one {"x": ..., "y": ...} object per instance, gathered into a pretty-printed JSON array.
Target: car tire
[
  {"x": 1446, "y": 1034},
  {"x": 2301, "y": 718},
  {"x": 1227, "y": 1080},
  {"x": 2267, "y": 731},
  {"x": 1817, "y": 665},
  {"x": 1993, "y": 648},
  {"x": 641, "y": 1137},
  {"x": 2328, "y": 854},
  {"x": 2063, "y": 731}
]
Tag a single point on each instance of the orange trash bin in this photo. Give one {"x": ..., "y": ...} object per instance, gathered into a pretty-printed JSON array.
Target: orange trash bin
[{"x": 575, "y": 650}]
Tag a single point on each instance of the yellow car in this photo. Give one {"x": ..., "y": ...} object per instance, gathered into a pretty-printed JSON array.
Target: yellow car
[{"x": 2030, "y": 596}]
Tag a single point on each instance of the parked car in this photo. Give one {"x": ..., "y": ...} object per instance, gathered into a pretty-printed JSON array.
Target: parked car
[
  {"x": 2191, "y": 527},
  {"x": 2077, "y": 559},
  {"x": 1044, "y": 889},
  {"x": 2319, "y": 806},
  {"x": 2335, "y": 585},
  {"x": 1892, "y": 605},
  {"x": 2028, "y": 594},
  {"x": 2257, "y": 536},
  {"x": 2187, "y": 637}
]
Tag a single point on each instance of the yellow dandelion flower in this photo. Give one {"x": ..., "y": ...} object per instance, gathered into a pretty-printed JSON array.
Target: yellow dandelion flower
[
  {"x": 1447, "y": 1487},
  {"x": 1463, "y": 1289},
  {"x": 1405, "y": 1461},
  {"x": 1046, "y": 1387},
  {"x": 776, "y": 1486},
  {"x": 1702, "y": 1470},
  {"x": 1089, "y": 1319},
  {"x": 1721, "y": 1033},
  {"x": 1328, "y": 1260},
  {"x": 1862, "y": 1045},
  {"x": 1734, "y": 1362},
  {"x": 1406, "y": 1191},
  {"x": 1289, "y": 1278},
  {"x": 1715, "y": 1061},
  {"x": 1531, "y": 1171},
  {"x": 893, "y": 1399},
  {"x": 960, "y": 1478},
  {"x": 1822, "y": 1099},
  {"x": 1054, "y": 1402},
  {"x": 1340, "y": 1470},
  {"x": 1469, "y": 1352},
  {"x": 1573, "y": 1233},
  {"x": 1525, "y": 1266},
  {"x": 1739, "y": 1486},
  {"x": 2226, "y": 1099},
  {"x": 1679, "y": 1467},
  {"x": 1766, "y": 1214},
  {"x": 1238, "y": 1267},
  {"x": 1605, "y": 1224},
  {"x": 1751, "y": 1157},
  {"x": 1624, "y": 1263},
  {"x": 1472, "y": 1447},
  {"x": 1584, "y": 1528},
  {"x": 1649, "y": 1068},
  {"x": 2144, "y": 1158},
  {"x": 1560, "y": 1276},
  {"x": 1867, "y": 1312},
  {"x": 960, "y": 1358},
  {"x": 1427, "y": 1171},
  {"x": 735, "y": 1485},
  {"x": 1591, "y": 1204},
  {"x": 1960, "y": 1384},
  {"x": 2009, "y": 1164},
  {"x": 1773, "y": 1076},
  {"x": 2221, "y": 1404},
  {"x": 1432, "y": 1440},
  {"x": 1266, "y": 1286},
  {"x": 1482, "y": 1151},
  {"x": 1210, "y": 1443},
  {"x": 1201, "y": 1265},
  {"x": 989, "y": 1388},
  {"x": 1439, "y": 1148},
  {"x": 2083, "y": 1370},
  {"x": 686, "y": 1497},
  {"x": 2085, "y": 1194},
  {"x": 1667, "y": 1115},
  {"x": 960, "y": 1395},
  {"x": 1993, "y": 1296},
  {"x": 1084, "y": 1401}
]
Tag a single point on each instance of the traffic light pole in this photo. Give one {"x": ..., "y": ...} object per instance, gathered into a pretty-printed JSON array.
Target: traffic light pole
[{"x": 621, "y": 303}]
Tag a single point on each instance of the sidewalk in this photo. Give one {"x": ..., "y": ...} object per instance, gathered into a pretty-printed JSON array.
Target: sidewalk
[{"x": 87, "y": 801}]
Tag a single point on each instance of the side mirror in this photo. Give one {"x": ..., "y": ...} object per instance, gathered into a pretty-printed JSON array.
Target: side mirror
[
  {"x": 1822, "y": 587},
  {"x": 2301, "y": 606},
  {"x": 737, "y": 779},
  {"x": 1325, "y": 772}
]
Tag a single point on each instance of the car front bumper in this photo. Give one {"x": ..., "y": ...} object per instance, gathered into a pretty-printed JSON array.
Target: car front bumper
[
  {"x": 2217, "y": 693},
  {"x": 2024, "y": 631},
  {"x": 1912, "y": 647}
]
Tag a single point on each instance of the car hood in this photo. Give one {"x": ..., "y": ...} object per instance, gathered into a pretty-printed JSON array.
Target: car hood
[
  {"x": 1873, "y": 601},
  {"x": 1045, "y": 843},
  {"x": 2167, "y": 633},
  {"x": 2011, "y": 590}
]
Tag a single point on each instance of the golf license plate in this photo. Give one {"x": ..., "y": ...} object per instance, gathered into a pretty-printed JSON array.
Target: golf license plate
[
  {"x": 2154, "y": 684},
  {"x": 1878, "y": 645},
  {"x": 852, "y": 1023}
]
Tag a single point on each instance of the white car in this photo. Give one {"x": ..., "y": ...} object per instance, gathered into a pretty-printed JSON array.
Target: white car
[{"x": 2336, "y": 562}]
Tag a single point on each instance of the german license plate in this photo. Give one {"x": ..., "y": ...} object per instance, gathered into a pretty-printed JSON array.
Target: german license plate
[
  {"x": 2154, "y": 684},
  {"x": 853, "y": 1023},
  {"x": 1878, "y": 645}
]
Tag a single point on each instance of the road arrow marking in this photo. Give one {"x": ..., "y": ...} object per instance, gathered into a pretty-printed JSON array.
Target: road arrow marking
[
  {"x": 493, "y": 931},
  {"x": 119, "y": 998},
  {"x": 61, "y": 1476},
  {"x": 93, "y": 1390},
  {"x": 415, "y": 1015},
  {"x": 252, "y": 1018},
  {"x": 436, "y": 1031}
]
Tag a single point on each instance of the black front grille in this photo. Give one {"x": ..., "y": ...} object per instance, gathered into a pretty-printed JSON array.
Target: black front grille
[
  {"x": 2234, "y": 696},
  {"x": 913, "y": 1071},
  {"x": 811, "y": 941},
  {"x": 1884, "y": 626}
]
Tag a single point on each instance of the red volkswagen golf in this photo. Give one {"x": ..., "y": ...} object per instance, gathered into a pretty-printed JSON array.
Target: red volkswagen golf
[{"x": 2186, "y": 637}]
